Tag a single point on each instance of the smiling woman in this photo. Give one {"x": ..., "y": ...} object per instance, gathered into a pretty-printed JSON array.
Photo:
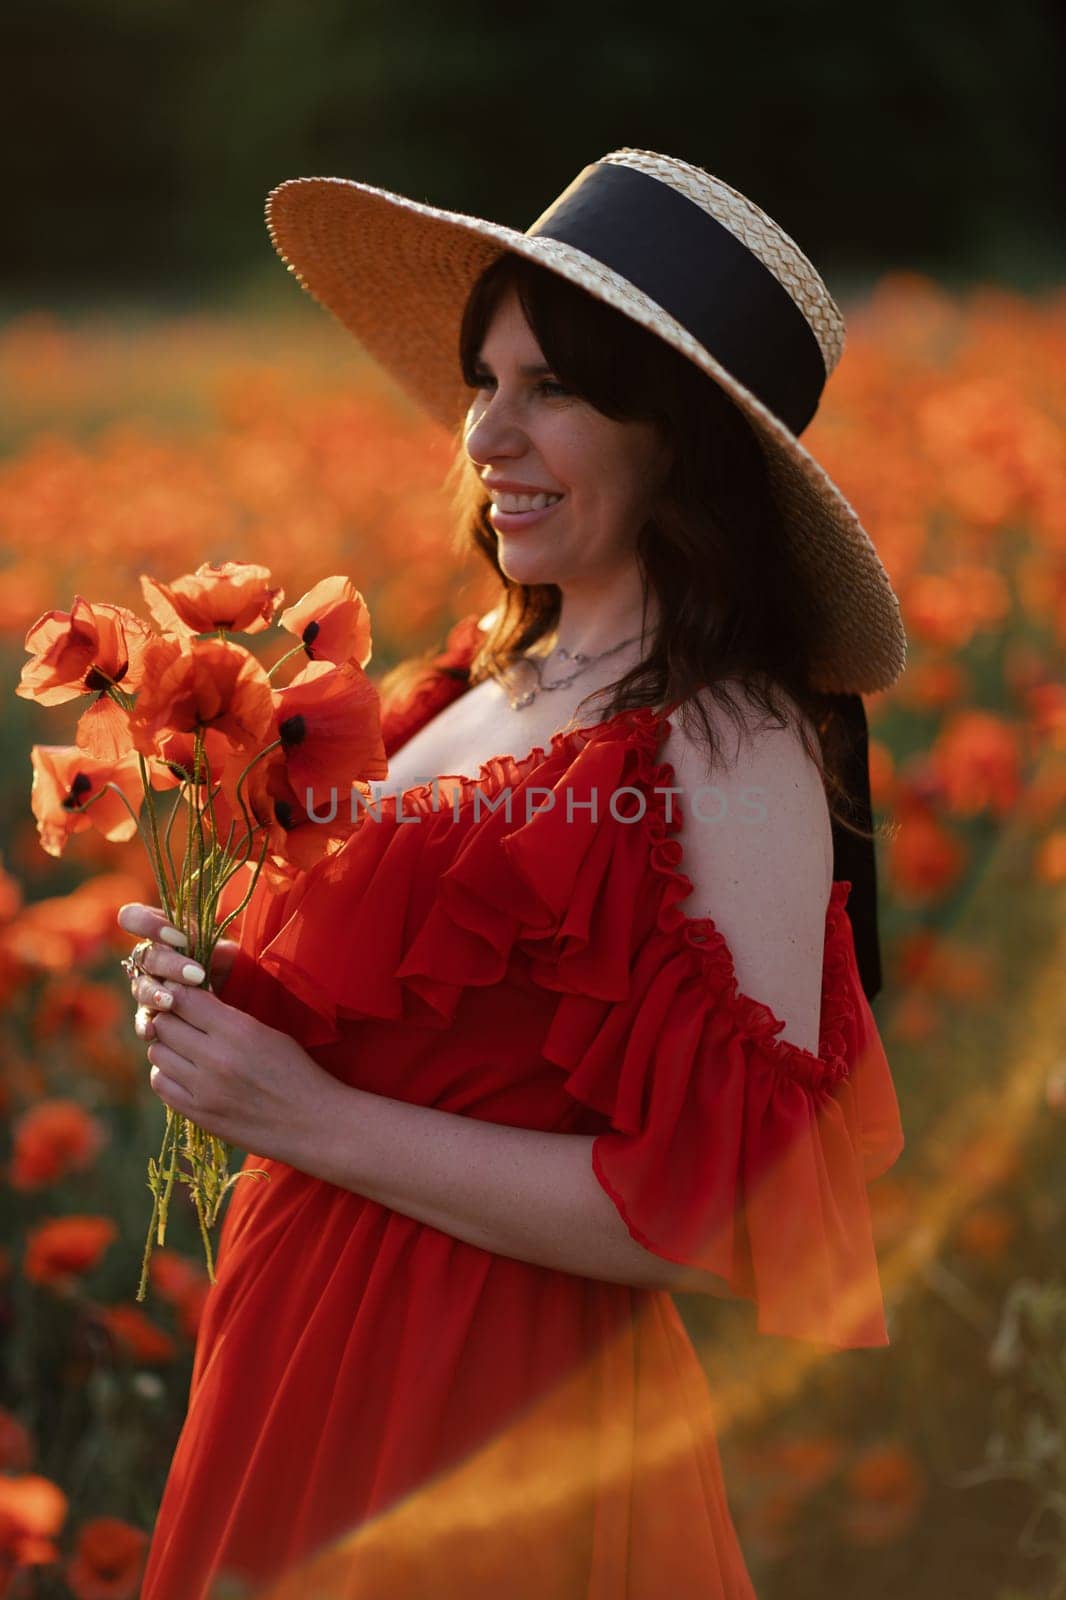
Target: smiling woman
[
  {"x": 600, "y": 475},
  {"x": 579, "y": 1039}
]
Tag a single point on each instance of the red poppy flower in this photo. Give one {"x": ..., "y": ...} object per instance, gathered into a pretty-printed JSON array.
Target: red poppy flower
[
  {"x": 73, "y": 930},
  {"x": 108, "y": 1560},
  {"x": 73, "y": 1004},
  {"x": 58, "y": 1250},
  {"x": 329, "y": 724},
  {"x": 332, "y": 622},
  {"x": 263, "y": 783},
  {"x": 176, "y": 767},
  {"x": 235, "y": 595},
  {"x": 208, "y": 686},
  {"x": 174, "y": 1275},
  {"x": 33, "y": 1510},
  {"x": 84, "y": 651},
  {"x": 888, "y": 1485},
  {"x": 10, "y": 894},
  {"x": 66, "y": 778},
  {"x": 142, "y": 1338},
  {"x": 274, "y": 805},
  {"x": 51, "y": 1139}
]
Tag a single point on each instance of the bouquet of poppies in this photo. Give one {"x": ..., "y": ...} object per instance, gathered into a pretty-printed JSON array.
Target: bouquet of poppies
[{"x": 184, "y": 719}]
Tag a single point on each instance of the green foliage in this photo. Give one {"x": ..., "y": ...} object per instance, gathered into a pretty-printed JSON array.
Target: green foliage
[
  {"x": 1028, "y": 1443},
  {"x": 920, "y": 134}
]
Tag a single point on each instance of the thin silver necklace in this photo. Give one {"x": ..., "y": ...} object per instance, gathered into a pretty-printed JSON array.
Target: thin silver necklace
[{"x": 523, "y": 700}]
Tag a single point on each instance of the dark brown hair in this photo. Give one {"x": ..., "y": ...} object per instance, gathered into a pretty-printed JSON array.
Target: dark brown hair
[{"x": 713, "y": 550}]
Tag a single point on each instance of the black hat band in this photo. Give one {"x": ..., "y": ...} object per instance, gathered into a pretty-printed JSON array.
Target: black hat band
[{"x": 701, "y": 274}]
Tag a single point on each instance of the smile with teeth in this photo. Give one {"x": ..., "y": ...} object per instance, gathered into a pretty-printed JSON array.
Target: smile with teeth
[{"x": 525, "y": 502}]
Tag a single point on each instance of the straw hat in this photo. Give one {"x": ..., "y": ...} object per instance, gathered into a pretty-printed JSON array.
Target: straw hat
[{"x": 681, "y": 253}]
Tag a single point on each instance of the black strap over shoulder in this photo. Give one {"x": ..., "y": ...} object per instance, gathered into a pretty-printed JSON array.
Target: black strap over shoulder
[{"x": 854, "y": 858}]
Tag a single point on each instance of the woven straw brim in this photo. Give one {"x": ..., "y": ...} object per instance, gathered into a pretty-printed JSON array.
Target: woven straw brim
[{"x": 397, "y": 274}]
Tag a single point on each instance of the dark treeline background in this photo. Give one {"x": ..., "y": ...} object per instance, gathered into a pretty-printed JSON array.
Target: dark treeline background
[{"x": 143, "y": 135}]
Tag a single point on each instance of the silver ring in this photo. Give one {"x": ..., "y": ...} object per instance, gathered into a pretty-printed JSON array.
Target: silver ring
[{"x": 131, "y": 964}]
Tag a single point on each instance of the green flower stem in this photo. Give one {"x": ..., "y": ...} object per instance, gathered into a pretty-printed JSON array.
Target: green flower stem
[
  {"x": 166, "y": 835},
  {"x": 280, "y": 662},
  {"x": 191, "y": 895},
  {"x": 234, "y": 914},
  {"x": 155, "y": 851}
]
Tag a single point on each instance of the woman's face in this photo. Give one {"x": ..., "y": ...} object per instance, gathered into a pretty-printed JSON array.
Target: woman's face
[{"x": 522, "y": 428}]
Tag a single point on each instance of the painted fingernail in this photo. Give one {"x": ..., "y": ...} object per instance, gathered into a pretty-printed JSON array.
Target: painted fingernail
[
  {"x": 162, "y": 997},
  {"x": 173, "y": 935},
  {"x": 193, "y": 972}
]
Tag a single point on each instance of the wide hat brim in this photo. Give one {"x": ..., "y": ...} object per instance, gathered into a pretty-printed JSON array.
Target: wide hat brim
[{"x": 397, "y": 274}]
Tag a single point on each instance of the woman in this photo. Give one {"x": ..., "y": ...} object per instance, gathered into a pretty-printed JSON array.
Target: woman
[{"x": 588, "y": 1023}]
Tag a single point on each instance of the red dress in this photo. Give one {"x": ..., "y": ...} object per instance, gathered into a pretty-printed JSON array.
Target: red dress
[{"x": 381, "y": 1411}]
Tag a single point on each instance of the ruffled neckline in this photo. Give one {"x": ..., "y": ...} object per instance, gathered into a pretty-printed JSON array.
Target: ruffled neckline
[
  {"x": 644, "y": 729},
  {"x": 501, "y": 770}
]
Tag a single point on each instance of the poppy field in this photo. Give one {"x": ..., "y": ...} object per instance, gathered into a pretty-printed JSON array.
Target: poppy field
[{"x": 133, "y": 451}]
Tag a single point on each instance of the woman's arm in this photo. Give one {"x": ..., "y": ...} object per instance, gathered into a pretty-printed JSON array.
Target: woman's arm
[{"x": 515, "y": 1191}]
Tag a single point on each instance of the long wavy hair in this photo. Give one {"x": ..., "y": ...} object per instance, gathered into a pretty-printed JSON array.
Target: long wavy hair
[{"x": 713, "y": 548}]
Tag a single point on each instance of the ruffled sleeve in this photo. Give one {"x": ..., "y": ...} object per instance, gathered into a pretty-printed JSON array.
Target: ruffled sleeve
[
  {"x": 734, "y": 1151},
  {"x": 728, "y": 1148}
]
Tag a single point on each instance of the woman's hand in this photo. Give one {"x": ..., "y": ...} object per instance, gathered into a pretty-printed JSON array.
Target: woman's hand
[
  {"x": 165, "y": 960},
  {"x": 250, "y": 1085}
]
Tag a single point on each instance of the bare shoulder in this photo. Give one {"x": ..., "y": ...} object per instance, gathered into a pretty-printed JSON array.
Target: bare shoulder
[{"x": 758, "y": 849}]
